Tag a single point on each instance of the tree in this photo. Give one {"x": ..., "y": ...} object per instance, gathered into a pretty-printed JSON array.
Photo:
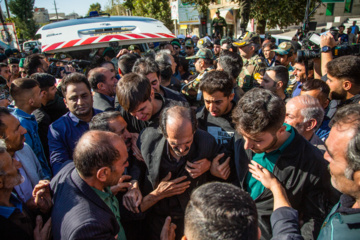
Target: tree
[
  {"x": 158, "y": 9},
  {"x": 115, "y": 8},
  {"x": 23, "y": 10},
  {"x": 94, "y": 7}
]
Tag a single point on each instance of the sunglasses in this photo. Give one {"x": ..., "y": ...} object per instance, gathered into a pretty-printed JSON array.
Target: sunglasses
[{"x": 188, "y": 47}]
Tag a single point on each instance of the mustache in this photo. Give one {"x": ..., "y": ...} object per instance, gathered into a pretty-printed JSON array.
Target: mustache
[{"x": 277, "y": 63}]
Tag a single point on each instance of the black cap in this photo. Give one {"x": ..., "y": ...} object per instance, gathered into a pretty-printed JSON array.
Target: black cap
[
  {"x": 2, "y": 57},
  {"x": 13, "y": 60},
  {"x": 217, "y": 42}
]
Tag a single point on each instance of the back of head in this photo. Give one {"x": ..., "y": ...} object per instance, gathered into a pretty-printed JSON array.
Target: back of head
[
  {"x": 350, "y": 115},
  {"x": 164, "y": 63},
  {"x": 221, "y": 211},
  {"x": 180, "y": 111},
  {"x": 74, "y": 78},
  {"x": 231, "y": 63},
  {"x": 45, "y": 80},
  {"x": 94, "y": 150},
  {"x": 32, "y": 62},
  {"x": 101, "y": 120},
  {"x": 345, "y": 68},
  {"x": 316, "y": 84},
  {"x": 20, "y": 89},
  {"x": 132, "y": 90},
  {"x": 126, "y": 62},
  {"x": 96, "y": 76},
  {"x": 3, "y": 113},
  {"x": 259, "y": 110},
  {"x": 217, "y": 81},
  {"x": 281, "y": 74},
  {"x": 146, "y": 66}
]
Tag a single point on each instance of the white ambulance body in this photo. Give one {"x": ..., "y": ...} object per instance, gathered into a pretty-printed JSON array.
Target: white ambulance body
[{"x": 97, "y": 32}]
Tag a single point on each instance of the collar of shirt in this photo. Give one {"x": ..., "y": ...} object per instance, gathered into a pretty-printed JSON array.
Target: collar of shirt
[
  {"x": 111, "y": 99},
  {"x": 354, "y": 99},
  {"x": 346, "y": 203},
  {"x": 6, "y": 212},
  {"x": 20, "y": 113},
  {"x": 76, "y": 120}
]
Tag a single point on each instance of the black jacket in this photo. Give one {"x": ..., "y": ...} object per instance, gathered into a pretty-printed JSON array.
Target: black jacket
[
  {"x": 302, "y": 171},
  {"x": 102, "y": 103}
]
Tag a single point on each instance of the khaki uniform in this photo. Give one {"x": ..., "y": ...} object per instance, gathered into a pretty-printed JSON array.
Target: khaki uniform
[{"x": 251, "y": 66}]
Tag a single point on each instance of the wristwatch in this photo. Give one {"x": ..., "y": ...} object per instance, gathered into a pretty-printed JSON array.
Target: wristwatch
[{"x": 326, "y": 49}]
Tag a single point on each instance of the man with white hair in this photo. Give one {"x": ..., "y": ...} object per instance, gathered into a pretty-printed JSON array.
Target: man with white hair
[{"x": 305, "y": 114}]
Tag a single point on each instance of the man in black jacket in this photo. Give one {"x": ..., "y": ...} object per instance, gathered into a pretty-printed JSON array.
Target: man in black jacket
[
  {"x": 276, "y": 146},
  {"x": 177, "y": 159}
]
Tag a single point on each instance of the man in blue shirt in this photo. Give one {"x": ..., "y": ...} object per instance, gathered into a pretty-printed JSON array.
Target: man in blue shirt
[
  {"x": 28, "y": 96},
  {"x": 66, "y": 131}
]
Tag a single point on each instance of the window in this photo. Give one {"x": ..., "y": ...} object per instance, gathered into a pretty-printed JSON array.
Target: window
[
  {"x": 330, "y": 9},
  {"x": 348, "y": 6}
]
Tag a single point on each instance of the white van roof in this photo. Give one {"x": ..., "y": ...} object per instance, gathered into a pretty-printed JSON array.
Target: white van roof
[{"x": 97, "y": 32}]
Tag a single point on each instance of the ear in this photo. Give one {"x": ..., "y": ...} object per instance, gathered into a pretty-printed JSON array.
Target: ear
[
  {"x": 100, "y": 85},
  {"x": 279, "y": 85},
  {"x": 152, "y": 94},
  {"x": 103, "y": 173},
  {"x": 232, "y": 96},
  {"x": 346, "y": 84},
  {"x": 120, "y": 72},
  {"x": 310, "y": 125},
  {"x": 183, "y": 238},
  {"x": 259, "y": 233},
  {"x": 65, "y": 102},
  {"x": 282, "y": 130},
  {"x": 2, "y": 182}
]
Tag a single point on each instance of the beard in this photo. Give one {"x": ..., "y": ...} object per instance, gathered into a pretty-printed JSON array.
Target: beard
[
  {"x": 14, "y": 181},
  {"x": 267, "y": 148},
  {"x": 338, "y": 96},
  {"x": 181, "y": 154}
]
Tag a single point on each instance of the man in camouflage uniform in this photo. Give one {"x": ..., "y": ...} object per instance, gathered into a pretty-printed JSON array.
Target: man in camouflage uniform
[
  {"x": 284, "y": 52},
  {"x": 190, "y": 52},
  {"x": 219, "y": 23},
  {"x": 203, "y": 64},
  {"x": 253, "y": 63}
]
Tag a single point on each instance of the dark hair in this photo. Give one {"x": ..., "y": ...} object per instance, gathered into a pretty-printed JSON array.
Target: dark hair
[
  {"x": 146, "y": 66},
  {"x": 132, "y": 90},
  {"x": 101, "y": 120},
  {"x": 207, "y": 61},
  {"x": 184, "y": 63},
  {"x": 74, "y": 78},
  {"x": 3, "y": 65},
  {"x": 269, "y": 44},
  {"x": 109, "y": 53},
  {"x": 45, "y": 80},
  {"x": 296, "y": 46},
  {"x": 231, "y": 62},
  {"x": 316, "y": 84},
  {"x": 96, "y": 76},
  {"x": 126, "y": 62},
  {"x": 345, "y": 68},
  {"x": 259, "y": 110},
  {"x": 21, "y": 86},
  {"x": 217, "y": 81},
  {"x": 310, "y": 64},
  {"x": 181, "y": 110},
  {"x": 281, "y": 74},
  {"x": 32, "y": 62},
  {"x": 350, "y": 114},
  {"x": 3, "y": 112},
  {"x": 221, "y": 211},
  {"x": 165, "y": 72},
  {"x": 94, "y": 150}
]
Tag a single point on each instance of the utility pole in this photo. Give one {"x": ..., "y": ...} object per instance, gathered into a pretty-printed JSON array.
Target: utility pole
[
  {"x": 7, "y": 9},
  {"x": 57, "y": 17}
]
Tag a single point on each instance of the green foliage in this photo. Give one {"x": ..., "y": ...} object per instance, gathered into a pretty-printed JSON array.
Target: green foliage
[
  {"x": 23, "y": 11},
  {"x": 115, "y": 8},
  {"x": 94, "y": 7},
  {"x": 158, "y": 9},
  {"x": 201, "y": 5}
]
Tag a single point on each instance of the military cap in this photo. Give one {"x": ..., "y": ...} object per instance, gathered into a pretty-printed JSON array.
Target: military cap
[
  {"x": 15, "y": 51},
  {"x": 226, "y": 40},
  {"x": 284, "y": 48},
  {"x": 217, "y": 42},
  {"x": 175, "y": 42},
  {"x": 133, "y": 47},
  {"x": 217, "y": 11},
  {"x": 250, "y": 37},
  {"x": 189, "y": 43},
  {"x": 204, "y": 43},
  {"x": 62, "y": 56},
  {"x": 2, "y": 57},
  {"x": 13, "y": 60},
  {"x": 203, "y": 53},
  {"x": 22, "y": 62},
  {"x": 8, "y": 52}
]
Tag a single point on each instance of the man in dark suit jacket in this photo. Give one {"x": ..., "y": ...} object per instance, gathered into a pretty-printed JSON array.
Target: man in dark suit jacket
[
  {"x": 84, "y": 204},
  {"x": 178, "y": 159},
  {"x": 103, "y": 82}
]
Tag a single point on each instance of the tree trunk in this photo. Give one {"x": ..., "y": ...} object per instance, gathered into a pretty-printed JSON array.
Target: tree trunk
[{"x": 260, "y": 26}]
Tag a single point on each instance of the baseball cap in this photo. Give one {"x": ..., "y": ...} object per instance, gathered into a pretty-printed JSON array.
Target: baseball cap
[
  {"x": 8, "y": 52},
  {"x": 189, "y": 43},
  {"x": 203, "y": 53},
  {"x": 175, "y": 42},
  {"x": 62, "y": 56},
  {"x": 250, "y": 37},
  {"x": 284, "y": 48},
  {"x": 2, "y": 57},
  {"x": 22, "y": 62},
  {"x": 217, "y": 42},
  {"x": 15, "y": 51}
]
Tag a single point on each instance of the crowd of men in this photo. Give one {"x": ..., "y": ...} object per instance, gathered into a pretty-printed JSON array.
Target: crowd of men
[{"x": 194, "y": 140}]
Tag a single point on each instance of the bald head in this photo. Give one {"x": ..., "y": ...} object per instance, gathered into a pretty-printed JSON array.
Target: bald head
[{"x": 97, "y": 149}]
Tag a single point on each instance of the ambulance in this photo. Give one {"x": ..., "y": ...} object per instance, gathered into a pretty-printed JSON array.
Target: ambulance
[{"x": 91, "y": 33}]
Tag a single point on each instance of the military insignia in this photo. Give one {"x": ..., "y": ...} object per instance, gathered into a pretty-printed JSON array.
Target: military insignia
[
  {"x": 201, "y": 41},
  {"x": 259, "y": 60},
  {"x": 239, "y": 44},
  {"x": 282, "y": 45},
  {"x": 257, "y": 76}
]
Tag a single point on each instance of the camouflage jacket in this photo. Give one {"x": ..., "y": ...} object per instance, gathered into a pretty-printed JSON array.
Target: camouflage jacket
[{"x": 251, "y": 66}]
